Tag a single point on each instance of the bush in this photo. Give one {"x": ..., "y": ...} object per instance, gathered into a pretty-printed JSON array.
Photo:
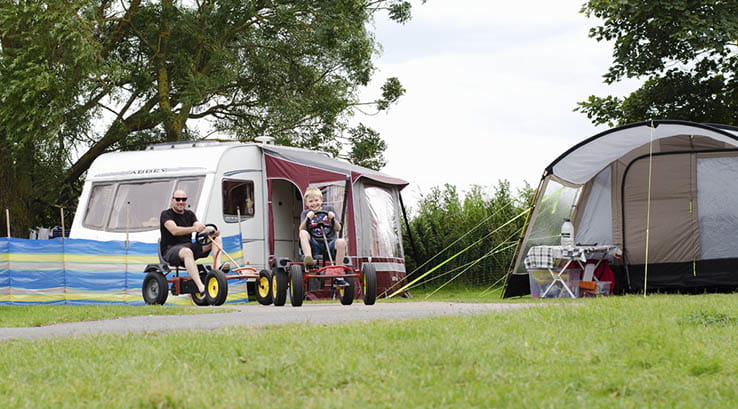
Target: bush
[{"x": 445, "y": 224}]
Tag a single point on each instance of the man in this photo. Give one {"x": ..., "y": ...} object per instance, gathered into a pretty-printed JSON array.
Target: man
[{"x": 177, "y": 225}]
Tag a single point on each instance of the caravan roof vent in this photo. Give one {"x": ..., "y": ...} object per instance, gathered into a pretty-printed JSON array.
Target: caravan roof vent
[{"x": 265, "y": 140}]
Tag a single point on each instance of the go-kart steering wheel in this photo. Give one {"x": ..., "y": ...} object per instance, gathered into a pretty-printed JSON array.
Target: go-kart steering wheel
[
  {"x": 320, "y": 224},
  {"x": 204, "y": 236}
]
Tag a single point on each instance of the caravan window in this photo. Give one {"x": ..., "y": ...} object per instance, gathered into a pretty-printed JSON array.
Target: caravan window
[
  {"x": 97, "y": 206},
  {"x": 238, "y": 198},
  {"x": 333, "y": 193},
  {"x": 385, "y": 230},
  {"x": 135, "y": 205},
  {"x": 192, "y": 187}
]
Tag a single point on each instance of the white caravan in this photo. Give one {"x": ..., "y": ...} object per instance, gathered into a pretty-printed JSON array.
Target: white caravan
[{"x": 252, "y": 189}]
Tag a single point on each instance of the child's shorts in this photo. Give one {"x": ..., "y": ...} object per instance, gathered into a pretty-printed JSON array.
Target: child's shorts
[{"x": 318, "y": 247}]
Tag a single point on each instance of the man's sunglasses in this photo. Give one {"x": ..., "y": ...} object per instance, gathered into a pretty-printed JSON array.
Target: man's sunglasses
[{"x": 180, "y": 199}]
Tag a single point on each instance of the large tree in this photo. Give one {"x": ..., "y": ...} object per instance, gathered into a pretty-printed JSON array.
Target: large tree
[
  {"x": 84, "y": 77},
  {"x": 683, "y": 50}
]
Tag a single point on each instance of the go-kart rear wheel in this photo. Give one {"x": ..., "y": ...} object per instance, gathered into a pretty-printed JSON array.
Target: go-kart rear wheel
[
  {"x": 346, "y": 293},
  {"x": 264, "y": 288},
  {"x": 216, "y": 287},
  {"x": 297, "y": 290},
  {"x": 279, "y": 287},
  {"x": 369, "y": 285},
  {"x": 155, "y": 288}
]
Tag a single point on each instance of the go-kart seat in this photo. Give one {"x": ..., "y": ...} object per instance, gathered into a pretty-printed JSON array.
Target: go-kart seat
[
  {"x": 320, "y": 258},
  {"x": 316, "y": 257},
  {"x": 165, "y": 265}
]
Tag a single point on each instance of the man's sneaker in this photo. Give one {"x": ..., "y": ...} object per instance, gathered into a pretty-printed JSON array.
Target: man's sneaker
[
  {"x": 340, "y": 282},
  {"x": 204, "y": 292},
  {"x": 225, "y": 267},
  {"x": 308, "y": 260}
]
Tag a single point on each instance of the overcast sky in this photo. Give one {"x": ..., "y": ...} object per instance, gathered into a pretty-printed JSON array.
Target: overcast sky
[{"x": 490, "y": 86}]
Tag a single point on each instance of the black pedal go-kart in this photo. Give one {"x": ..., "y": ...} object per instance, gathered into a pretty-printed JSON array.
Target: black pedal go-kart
[
  {"x": 300, "y": 279},
  {"x": 157, "y": 286}
]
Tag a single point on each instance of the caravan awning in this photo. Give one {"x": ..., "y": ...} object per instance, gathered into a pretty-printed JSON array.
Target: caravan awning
[
  {"x": 586, "y": 159},
  {"x": 322, "y": 161}
]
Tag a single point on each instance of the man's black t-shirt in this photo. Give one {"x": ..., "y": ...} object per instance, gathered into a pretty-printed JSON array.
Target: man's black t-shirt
[{"x": 186, "y": 219}]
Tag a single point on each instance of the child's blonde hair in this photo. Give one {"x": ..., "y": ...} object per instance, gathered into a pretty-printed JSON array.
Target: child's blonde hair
[{"x": 313, "y": 191}]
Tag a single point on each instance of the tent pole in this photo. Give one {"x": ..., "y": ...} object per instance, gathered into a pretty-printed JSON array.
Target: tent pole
[
  {"x": 648, "y": 210},
  {"x": 240, "y": 233},
  {"x": 343, "y": 206},
  {"x": 128, "y": 217},
  {"x": 409, "y": 232}
]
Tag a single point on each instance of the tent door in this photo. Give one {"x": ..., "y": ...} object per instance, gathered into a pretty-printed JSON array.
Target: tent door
[{"x": 673, "y": 227}]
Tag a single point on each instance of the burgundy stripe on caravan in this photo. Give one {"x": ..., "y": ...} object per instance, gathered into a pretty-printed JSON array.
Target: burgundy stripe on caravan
[{"x": 381, "y": 260}]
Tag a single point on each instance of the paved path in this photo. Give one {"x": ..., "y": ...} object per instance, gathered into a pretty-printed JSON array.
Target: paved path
[{"x": 257, "y": 316}]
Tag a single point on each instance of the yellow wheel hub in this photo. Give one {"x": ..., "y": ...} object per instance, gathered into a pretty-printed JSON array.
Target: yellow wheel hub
[
  {"x": 213, "y": 287},
  {"x": 263, "y": 287}
]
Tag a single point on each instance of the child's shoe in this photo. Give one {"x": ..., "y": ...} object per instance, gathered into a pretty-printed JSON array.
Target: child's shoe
[{"x": 308, "y": 260}]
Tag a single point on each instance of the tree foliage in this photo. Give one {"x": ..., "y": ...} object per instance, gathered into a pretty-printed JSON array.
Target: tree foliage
[
  {"x": 444, "y": 218},
  {"x": 686, "y": 52},
  {"x": 85, "y": 77}
]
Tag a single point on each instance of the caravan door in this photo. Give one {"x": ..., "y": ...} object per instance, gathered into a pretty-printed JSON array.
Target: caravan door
[{"x": 242, "y": 216}]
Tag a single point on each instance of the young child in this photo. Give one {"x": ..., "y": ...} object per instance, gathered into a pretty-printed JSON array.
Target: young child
[{"x": 310, "y": 245}]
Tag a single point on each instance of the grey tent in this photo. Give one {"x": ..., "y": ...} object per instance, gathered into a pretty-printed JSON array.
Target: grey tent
[{"x": 686, "y": 172}]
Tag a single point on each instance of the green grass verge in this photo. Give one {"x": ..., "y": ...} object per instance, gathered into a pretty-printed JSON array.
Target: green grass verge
[
  {"x": 38, "y": 315},
  {"x": 625, "y": 352},
  {"x": 454, "y": 292}
]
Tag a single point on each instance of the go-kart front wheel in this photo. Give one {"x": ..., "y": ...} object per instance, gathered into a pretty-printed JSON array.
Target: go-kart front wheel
[
  {"x": 279, "y": 287},
  {"x": 196, "y": 297},
  {"x": 346, "y": 293},
  {"x": 216, "y": 287},
  {"x": 264, "y": 288},
  {"x": 297, "y": 290},
  {"x": 369, "y": 278},
  {"x": 155, "y": 288}
]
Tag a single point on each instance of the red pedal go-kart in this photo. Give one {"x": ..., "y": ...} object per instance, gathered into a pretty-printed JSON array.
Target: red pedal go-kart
[
  {"x": 297, "y": 276},
  {"x": 156, "y": 285}
]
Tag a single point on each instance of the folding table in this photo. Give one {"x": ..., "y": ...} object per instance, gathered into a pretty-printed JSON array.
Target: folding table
[{"x": 550, "y": 258}]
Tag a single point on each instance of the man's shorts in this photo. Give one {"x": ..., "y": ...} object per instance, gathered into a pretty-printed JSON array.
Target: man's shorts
[
  {"x": 172, "y": 255},
  {"x": 317, "y": 247}
]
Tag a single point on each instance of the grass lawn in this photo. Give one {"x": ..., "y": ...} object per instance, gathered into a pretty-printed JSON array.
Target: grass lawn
[
  {"x": 625, "y": 352},
  {"x": 38, "y": 315}
]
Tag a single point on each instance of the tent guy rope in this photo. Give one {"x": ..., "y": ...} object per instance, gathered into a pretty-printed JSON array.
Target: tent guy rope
[
  {"x": 449, "y": 246},
  {"x": 524, "y": 212}
]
